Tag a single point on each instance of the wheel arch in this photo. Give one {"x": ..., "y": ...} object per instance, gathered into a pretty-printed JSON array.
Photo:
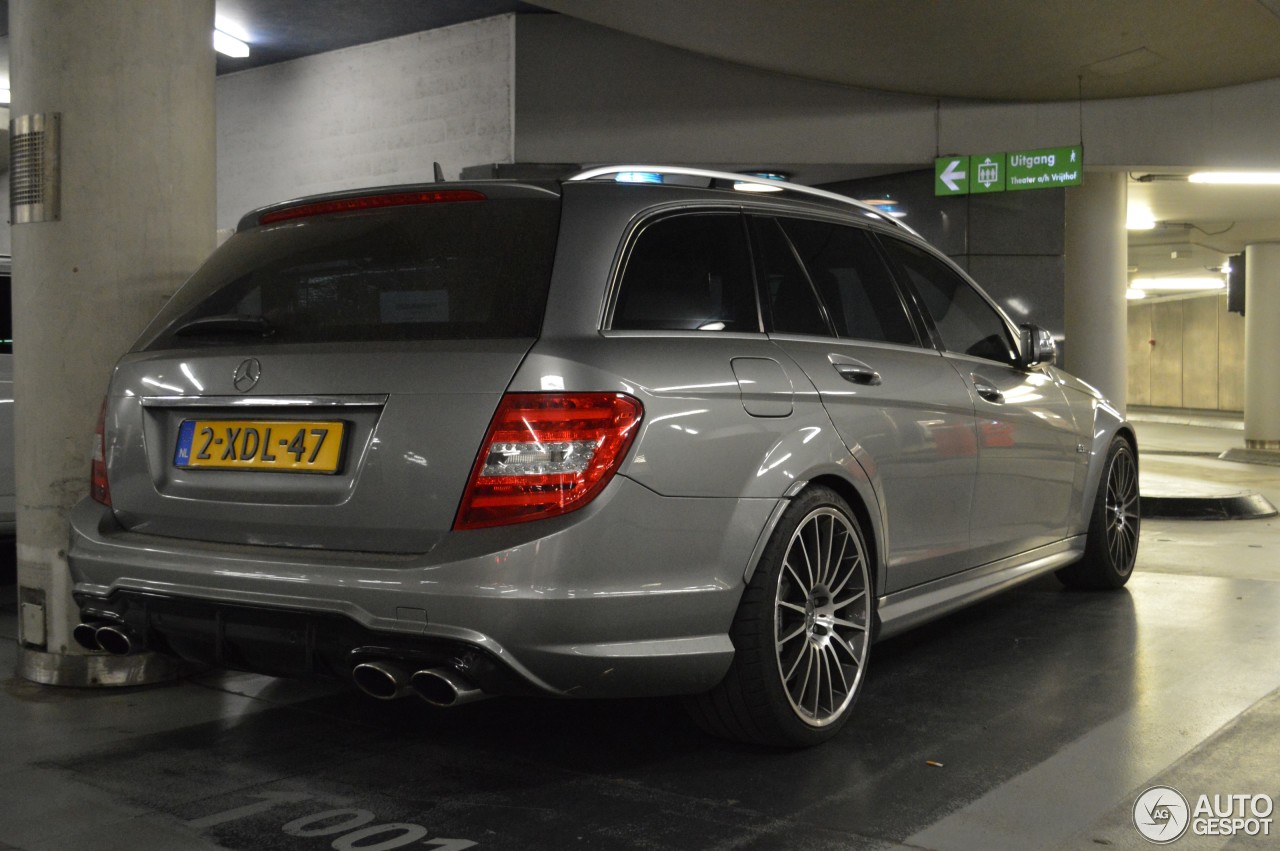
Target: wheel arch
[
  {"x": 862, "y": 500},
  {"x": 1108, "y": 426}
]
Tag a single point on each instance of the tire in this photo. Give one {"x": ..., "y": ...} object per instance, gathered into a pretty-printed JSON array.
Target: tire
[
  {"x": 801, "y": 635},
  {"x": 1111, "y": 547}
]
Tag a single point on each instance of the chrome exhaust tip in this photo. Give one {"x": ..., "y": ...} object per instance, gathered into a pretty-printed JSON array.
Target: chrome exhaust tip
[
  {"x": 444, "y": 687},
  {"x": 115, "y": 640},
  {"x": 383, "y": 680},
  {"x": 85, "y": 634}
]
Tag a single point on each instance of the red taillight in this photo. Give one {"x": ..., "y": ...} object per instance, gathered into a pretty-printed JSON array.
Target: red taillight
[
  {"x": 98, "y": 487},
  {"x": 547, "y": 454},
  {"x": 370, "y": 202}
]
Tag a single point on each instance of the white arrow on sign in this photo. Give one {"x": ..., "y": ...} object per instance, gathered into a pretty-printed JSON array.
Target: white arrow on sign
[{"x": 949, "y": 175}]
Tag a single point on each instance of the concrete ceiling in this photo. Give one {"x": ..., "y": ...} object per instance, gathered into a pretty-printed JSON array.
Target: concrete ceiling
[{"x": 1033, "y": 50}]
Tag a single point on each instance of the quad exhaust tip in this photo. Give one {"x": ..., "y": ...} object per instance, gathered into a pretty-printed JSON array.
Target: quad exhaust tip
[
  {"x": 112, "y": 638},
  {"x": 442, "y": 687},
  {"x": 383, "y": 680}
]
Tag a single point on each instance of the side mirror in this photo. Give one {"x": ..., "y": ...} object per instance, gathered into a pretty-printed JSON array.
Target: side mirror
[{"x": 1038, "y": 345}]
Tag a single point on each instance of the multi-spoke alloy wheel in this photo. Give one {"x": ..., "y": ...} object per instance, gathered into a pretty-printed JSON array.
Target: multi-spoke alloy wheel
[
  {"x": 1122, "y": 510},
  {"x": 1111, "y": 549},
  {"x": 802, "y": 633},
  {"x": 821, "y": 611}
]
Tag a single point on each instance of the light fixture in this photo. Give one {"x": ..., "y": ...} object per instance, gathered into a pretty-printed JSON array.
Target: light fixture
[
  {"x": 230, "y": 38},
  {"x": 1179, "y": 284},
  {"x": 886, "y": 205},
  {"x": 745, "y": 186},
  {"x": 637, "y": 177},
  {"x": 1131, "y": 294},
  {"x": 4, "y": 97},
  {"x": 1237, "y": 178},
  {"x": 229, "y": 45},
  {"x": 1139, "y": 218}
]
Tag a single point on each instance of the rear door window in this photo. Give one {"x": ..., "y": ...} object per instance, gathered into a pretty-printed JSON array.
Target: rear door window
[
  {"x": 460, "y": 270},
  {"x": 851, "y": 277},
  {"x": 688, "y": 272},
  {"x": 793, "y": 307},
  {"x": 965, "y": 321}
]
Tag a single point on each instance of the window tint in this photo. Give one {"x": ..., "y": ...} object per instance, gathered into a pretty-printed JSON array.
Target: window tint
[
  {"x": 689, "y": 272},
  {"x": 793, "y": 307},
  {"x": 476, "y": 269},
  {"x": 965, "y": 321},
  {"x": 853, "y": 280}
]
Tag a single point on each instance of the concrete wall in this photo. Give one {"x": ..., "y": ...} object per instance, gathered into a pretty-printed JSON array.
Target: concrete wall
[
  {"x": 1186, "y": 353},
  {"x": 590, "y": 94},
  {"x": 370, "y": 115}
]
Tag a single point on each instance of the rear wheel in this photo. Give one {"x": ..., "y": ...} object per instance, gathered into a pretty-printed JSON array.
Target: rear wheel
[
  {"x": 802, "y": 632},
  {"x": 1111, "y": 549}
]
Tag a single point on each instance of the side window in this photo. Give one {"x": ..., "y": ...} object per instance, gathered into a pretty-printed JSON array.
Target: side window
[
  {"x": 966, "y": 322},
  {"x": 690, "y": 273},
  {"x": 793, "y": 308},
  {"x": 854, "y": 282}
]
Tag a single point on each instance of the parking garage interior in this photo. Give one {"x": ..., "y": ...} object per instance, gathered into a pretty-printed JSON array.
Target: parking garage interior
[{"x": 1036, "y": 719}]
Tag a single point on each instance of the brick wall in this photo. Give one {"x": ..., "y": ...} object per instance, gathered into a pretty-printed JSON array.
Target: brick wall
[{"x": 370, "y": 115}]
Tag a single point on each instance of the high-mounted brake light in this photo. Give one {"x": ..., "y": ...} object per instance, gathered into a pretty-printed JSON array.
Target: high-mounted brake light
[
  {"x": 547, "y": 454},
  {"x": 370, "y": 202},
  {"x": 99, "y": 489}
]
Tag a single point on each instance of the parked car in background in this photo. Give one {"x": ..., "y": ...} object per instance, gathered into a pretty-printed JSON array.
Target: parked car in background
[
  {"x": 639, "y": 432},
  {"x": 7, "y": 509}
]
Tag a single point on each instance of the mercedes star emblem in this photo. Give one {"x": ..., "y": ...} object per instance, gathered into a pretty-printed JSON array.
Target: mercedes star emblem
[{"x": 247, "y": 375}]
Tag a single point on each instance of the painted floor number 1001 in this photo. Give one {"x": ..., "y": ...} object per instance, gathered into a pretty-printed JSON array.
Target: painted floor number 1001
[{"x": 350, "y": 827}]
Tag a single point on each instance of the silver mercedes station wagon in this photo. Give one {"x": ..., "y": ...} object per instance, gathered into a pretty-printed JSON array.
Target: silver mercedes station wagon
[{"x": 637, "y": 432}]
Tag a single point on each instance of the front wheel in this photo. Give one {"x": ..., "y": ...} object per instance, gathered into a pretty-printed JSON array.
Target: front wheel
[
  {"x": 1111, "y": 548},
  {"x": 802, "y": 632}
]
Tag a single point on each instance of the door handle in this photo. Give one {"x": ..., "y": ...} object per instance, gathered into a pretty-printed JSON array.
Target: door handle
[
  {"x": 987, "y": 390},
  {"x": 858, "y": 374}
]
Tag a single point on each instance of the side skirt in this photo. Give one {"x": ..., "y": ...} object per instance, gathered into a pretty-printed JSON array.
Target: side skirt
[{"x": 902, "y": 610}]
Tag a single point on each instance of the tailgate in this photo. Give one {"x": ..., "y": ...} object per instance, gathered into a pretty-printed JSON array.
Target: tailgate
[{"x": 368, "y": 449}]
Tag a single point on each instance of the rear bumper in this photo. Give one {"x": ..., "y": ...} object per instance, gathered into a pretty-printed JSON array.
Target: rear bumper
[{"x": 631, "y": 595}]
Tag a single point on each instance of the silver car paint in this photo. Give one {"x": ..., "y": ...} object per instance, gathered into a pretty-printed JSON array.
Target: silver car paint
[
  {"x": 632, "y": 594},
  {"x": 913, "y": 433},
  {"x": 406, "y": 464}
]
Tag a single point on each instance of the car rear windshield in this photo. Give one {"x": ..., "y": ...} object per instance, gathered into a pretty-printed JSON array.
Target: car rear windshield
[{"x": 454, "y": 270}]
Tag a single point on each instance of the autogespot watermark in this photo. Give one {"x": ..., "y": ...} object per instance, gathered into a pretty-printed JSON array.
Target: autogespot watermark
[{"x": 1163, "y": 815}]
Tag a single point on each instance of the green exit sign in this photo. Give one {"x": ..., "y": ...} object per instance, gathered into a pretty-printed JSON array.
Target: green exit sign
[{"x": 1043, "y": 168}]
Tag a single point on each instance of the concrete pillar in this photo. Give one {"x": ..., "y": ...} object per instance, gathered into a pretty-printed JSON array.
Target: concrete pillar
[
  {"x": 1262, "y": 346},
  {"x": 132, "y": 84},
  {"x": 1097, "y": 255}
]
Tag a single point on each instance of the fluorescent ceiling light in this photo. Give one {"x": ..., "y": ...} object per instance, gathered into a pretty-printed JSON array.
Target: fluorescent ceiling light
[
  {"x": 745, "y": 186},
  {"x": 231, "y": 28},
  {"x": 1238, "y": 178},
  {"x": 637, "y": 177},
  {"x": 1198, "y": 283},
  {"x": 1140, "y": 218},
  {"x": 229, "y": 45},
  {"x": 1133, "y": 294}
]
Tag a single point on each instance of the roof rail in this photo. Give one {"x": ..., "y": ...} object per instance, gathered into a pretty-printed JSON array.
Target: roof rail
[{"x": 603, "y": 171}]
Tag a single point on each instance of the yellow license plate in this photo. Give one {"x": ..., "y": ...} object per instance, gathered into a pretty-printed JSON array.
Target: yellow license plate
[{"x": 287, "y": 446}]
